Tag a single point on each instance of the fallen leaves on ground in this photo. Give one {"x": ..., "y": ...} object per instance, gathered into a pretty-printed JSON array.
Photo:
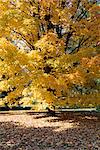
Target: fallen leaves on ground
[{"x": 38, "y": 132}]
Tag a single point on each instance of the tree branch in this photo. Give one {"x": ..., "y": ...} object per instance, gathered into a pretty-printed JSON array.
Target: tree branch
[
  {"x": 23, "y": 37},
  {"x": 81, "y": 42}
]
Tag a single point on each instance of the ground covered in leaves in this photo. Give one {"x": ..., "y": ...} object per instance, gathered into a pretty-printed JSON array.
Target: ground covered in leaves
[{"x": 41, "y": 132}]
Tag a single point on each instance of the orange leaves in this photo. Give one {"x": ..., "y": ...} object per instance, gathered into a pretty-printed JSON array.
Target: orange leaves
[
  {"x": 93, "y": 65},
  {"x": 92, "y": 62}
]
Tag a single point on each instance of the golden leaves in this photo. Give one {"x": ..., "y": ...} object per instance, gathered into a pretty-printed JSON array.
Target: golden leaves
[{"x": 58, "y": 51}]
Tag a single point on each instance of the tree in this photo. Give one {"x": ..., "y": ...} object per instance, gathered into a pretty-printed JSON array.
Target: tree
[{"x": 49, "y": 50}]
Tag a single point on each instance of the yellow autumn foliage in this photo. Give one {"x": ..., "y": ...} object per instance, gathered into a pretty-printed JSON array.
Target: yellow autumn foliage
[{"x": 49, "y": 52}]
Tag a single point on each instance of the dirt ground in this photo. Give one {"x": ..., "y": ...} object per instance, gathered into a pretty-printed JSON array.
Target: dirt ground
[{"x": 41, "y": 132}]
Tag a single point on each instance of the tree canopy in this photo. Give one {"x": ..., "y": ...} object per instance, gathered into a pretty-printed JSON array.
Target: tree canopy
[{"x": 49, "y": 51}]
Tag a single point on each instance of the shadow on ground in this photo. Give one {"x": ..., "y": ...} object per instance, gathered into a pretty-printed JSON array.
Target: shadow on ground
[{"x": 83, "y": 134}]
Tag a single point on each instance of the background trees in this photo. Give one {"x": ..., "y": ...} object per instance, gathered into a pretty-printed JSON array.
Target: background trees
[{"x": 49, "y": 50}]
